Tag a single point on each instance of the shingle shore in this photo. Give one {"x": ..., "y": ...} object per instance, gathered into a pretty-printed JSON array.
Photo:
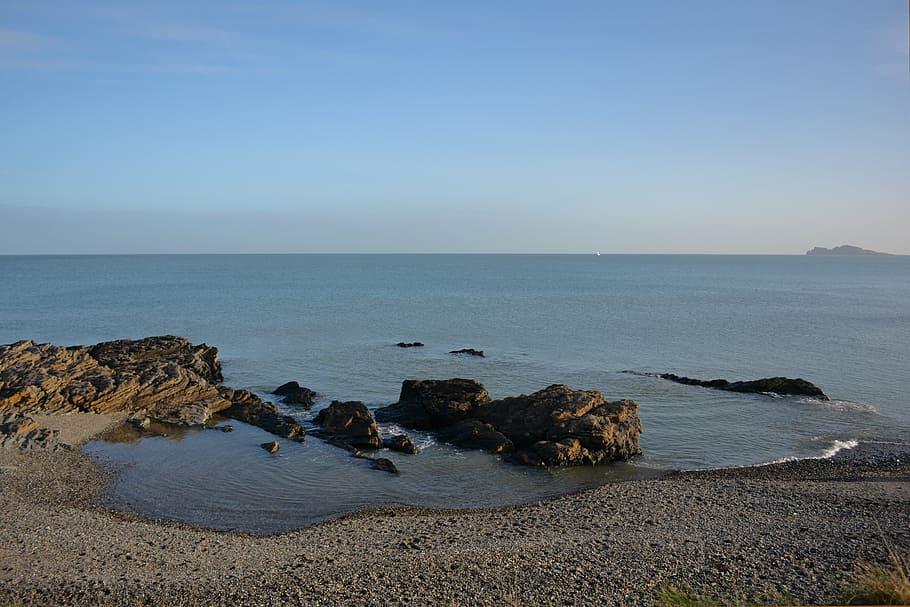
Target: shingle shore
[{"x": 788, "y": 533}]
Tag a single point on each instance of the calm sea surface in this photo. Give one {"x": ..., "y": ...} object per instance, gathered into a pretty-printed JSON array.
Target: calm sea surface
[{"x": 331, "y": 322}]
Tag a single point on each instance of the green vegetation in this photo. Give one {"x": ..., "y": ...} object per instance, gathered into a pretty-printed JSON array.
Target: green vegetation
[
  {"x": 875, "y": 584},
  {"x": 671, "y": 596}
]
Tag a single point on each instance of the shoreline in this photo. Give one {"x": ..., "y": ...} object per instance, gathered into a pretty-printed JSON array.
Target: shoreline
[{"x": 790, "y": 529}]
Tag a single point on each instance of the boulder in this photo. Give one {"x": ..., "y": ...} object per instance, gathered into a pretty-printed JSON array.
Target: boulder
[
  {"x": 349, "y": 423},
  {"x": 295, "y": 394},
  {"x": 469, "y": 351},
  {"x": 556, "y": 426},
  {"x": 401, "y": 443},
  {"x": 768, "y": 385},
  {"x": 271, "y": 447},
  {"x": 429, "y": 404}
]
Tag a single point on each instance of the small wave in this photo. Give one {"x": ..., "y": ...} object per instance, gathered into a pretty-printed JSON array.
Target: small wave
[
  {"x": 841, "y": 406},
  {"x": 836, "y": 447}
]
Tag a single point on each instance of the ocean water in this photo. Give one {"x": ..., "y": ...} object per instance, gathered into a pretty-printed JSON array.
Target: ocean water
[{"x": 331, "y": 322}]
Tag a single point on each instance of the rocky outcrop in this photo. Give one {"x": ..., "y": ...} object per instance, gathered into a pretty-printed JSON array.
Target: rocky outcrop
[
  {"x": 844, "y": 249},
  {"x": 432, "y": 404},
  {"x": 249, "y": 408},
  {"x": 468, "y": 351},
  {"x": 25, "y": 433},
  {"x": 556, "y": 426},
  {"x": 768, "y": 385},
  {"x": 163, "y": 379},
  {"x": 295, "y": 394},
  {"x": 349, "y": 424}
]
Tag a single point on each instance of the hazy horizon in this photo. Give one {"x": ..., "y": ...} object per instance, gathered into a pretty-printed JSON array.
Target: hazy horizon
[{"x": 656, "y": 127}]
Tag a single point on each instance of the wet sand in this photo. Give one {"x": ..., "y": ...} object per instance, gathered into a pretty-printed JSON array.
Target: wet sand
[{"x": 786, "y": 533}]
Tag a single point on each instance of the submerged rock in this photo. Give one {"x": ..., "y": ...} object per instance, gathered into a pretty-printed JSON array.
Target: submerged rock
[
  {"x": 470, "y": 351},
  {"x": 775, "y": 385},
  {"x": 295, "y": 394},
  {"x": 410, "y": 344},
  {"x": 349, "y": 423},
  {"x": 556, "y": 426},
  {"x": 385, "y": 464}
]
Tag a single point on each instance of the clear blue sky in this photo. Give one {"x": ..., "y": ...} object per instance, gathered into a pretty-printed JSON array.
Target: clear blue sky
[{"x": 650, "y": 126}]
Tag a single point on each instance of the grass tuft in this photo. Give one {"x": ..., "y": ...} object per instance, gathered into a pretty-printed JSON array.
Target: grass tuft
[
  {"x": 671, "y": 596},
  {"x": 875, "y": 584}
]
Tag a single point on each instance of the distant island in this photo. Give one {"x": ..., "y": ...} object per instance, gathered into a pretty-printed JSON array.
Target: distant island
[{"x": 844, "y": 249}]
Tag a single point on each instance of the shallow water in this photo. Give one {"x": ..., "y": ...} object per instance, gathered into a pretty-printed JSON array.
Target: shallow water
[{"x": 331, "y": 322}]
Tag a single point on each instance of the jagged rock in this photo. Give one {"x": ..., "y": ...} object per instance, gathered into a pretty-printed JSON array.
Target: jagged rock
[
  {"x": 410, "y": 344},
  {"x": 432, "y": 403},
  {"x": 775, "y": 385},
  {"x": 271, "y": 447},
  {"x": 401, "y": 443},
  {"x": 249, "y": 408},
  {"x": 349, "y": 423},
  {"x": 470, "y": 351},
  {"x": 385, "y": 464},
  {"x": 25, "y": 433},
  {"x": 156, "y": 373},
  {"x": 295, "y": 394},
  {"x": 556, "y": 426}
]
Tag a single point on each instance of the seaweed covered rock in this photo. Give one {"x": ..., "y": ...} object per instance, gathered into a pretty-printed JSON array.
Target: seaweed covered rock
[{"x": 767, "y": 385}]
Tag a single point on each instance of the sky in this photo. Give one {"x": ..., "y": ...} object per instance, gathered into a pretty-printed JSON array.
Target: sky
[{"x": 704, "y": 126}]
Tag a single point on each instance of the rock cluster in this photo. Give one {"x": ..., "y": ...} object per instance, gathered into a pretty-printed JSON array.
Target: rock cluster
[
  {"x": 774, "y": 385},
  {"x": 166, "y": 379},
  {"x": 295, "y": 394},
  {"x": 556, "y": 426}
]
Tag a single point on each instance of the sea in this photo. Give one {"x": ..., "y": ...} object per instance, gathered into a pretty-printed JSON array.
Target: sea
[{"x": 604, "y": 322}]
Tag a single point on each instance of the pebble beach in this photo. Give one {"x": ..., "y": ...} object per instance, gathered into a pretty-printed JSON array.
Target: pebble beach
[{"x": 790, "y": 533}]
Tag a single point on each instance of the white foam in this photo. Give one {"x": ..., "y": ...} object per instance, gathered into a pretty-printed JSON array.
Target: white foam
[{"x": 837, "y": 446}]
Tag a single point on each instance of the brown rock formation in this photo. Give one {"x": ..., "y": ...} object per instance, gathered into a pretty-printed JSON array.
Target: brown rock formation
[
  {"x": 556, "y": 426},
  {"x": 166, "y": 379},
  {"x": 349, "y": 423}
]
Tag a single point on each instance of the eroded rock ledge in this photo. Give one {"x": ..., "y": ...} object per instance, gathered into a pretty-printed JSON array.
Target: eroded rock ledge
[
  {"x": 556, "y": 426},
  {"x": 165, "y": 378}
]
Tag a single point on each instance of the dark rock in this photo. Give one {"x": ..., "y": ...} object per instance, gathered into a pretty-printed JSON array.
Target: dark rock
[
  {"x": 226, "y": 428},
  {"x": 558, "y": 426},
  {"x": 349, "y": 423},
  {"x": 434, "y": 403},
  {"x": 774, "y": 385},
  {"x": 470, "y": 351},
  {"x": 385, "y": 464},
  {"x": 410, "y": 344},
  {"x": 249, "y": 408},
  {"x": 474, "y": 434},
  {"x": 554, "y": 426},
  {"x": 271, "y": 447},
  {"x": 401, "y": 443},
  {"x": 295, "y": 394}
]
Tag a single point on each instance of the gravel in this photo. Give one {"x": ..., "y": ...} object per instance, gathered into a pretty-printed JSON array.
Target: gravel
[{"x": 782, "y": 533}]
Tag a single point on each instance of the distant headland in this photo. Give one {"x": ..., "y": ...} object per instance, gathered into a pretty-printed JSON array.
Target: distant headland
[{"x": 844, "y": 249}]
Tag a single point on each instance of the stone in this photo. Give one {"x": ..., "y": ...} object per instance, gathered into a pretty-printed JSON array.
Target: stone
[
  {"x": 349, "y": 423},
  {"x": 401, "y": 443},
  {"x": 427, "y": 404},
  {"x": 249, "y": 408},
  {"x": 556, "y": 426},
  {"x": 768, "y": 385},
  {"x": 410, "y": 344},
  {"x": 226, "y": 428},
  {"x": 295, "y": 394},
  {"x": 469, "y": 351},
  {"x": 271, "y": 447},
  {"x": 385, "y": 464}
]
